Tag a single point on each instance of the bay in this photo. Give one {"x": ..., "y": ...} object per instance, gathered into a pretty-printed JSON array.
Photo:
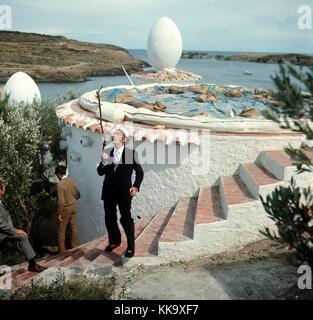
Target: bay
[{"x": 212, "y": 71}]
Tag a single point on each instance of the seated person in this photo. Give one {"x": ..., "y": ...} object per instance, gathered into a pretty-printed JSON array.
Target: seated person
[{"x": 8, "y": 232}]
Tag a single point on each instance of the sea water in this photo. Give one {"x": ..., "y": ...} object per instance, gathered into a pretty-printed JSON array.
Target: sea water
[{"x": 212, "y": 71}]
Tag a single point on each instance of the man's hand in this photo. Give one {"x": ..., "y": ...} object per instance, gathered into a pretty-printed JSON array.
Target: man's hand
[
  {"x": 133, "y": 191},
  {"x": 60, "y": 217},
  {"x": 20, "y": 232},
  {"x": 104, "y": 156}
]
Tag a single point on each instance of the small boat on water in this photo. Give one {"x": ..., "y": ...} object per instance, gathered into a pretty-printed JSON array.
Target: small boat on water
[{"x": 247, "y": 73}]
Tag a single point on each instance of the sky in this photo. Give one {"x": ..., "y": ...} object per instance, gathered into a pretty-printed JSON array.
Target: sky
[{"x": 218, "y": 25}]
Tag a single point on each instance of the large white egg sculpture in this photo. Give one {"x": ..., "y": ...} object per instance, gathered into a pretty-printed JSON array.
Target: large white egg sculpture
[
  {"x": 21, "y": 88},
  {"x": 164, "y": 44}
]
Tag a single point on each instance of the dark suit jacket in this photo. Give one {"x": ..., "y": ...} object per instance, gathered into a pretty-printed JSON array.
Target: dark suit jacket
[
  {"x": 6, "y": 225},
  {"x": 120, "y": 179}
]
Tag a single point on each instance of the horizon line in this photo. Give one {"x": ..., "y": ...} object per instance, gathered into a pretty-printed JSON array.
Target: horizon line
[{"x": 197, "y": 50}]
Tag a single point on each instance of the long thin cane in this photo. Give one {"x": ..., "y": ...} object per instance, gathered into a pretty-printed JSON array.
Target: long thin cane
[
  {"x": 128, "y": 77},
  {"x": 100, "y": 112}
]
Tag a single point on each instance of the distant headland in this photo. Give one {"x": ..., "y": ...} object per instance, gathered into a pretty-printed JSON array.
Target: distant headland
[
  {"x": 58, "y": 59},
  {"x": 295, "y": 58}
]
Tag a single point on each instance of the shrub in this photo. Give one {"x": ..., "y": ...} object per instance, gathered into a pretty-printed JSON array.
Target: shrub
[
  {"x": 59, "y": 289},
  {"x": 28, "y": 135},
  {"x": 291, "y": 207}
]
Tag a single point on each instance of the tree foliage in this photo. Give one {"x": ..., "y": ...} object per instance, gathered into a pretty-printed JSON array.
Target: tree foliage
[
  {"x": 29, "y": 134},
  {"x": 291, "y": 207}
]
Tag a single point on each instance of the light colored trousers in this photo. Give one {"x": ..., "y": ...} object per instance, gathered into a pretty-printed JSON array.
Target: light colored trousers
[{"x": 68, "y": 219}]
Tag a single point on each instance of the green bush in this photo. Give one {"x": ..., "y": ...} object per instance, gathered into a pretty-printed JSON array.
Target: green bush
[
  {"x": 290, "y": 207},
  {"x": 29, "y": 136}
]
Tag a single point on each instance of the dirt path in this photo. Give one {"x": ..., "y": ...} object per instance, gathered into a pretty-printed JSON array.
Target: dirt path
[{"x": 260, "y": 271}]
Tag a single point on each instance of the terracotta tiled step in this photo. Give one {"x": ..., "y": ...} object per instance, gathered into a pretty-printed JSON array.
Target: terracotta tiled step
[
  {"x": 90, "y": 255},
  {"x": 147, "y": 242},
  {"x": 19, "y": 267},
  {"x": 142, "y": 224},
  {"x": 260, "y": 175},
  {"x": 48, "y": 262},
  {"x": 181, "y": 224},
  {"x": 25, "y": 278},
  {"x": 16, "y": 274},
  {"x": 75, "y": 254},
  {"x": 277, "y": 163},
  {"x": 97, "y": 257},
  {"x": 209, "y": 207},
  {"x": 234, "y": 191},
  {"x": 108, "y": 259},
  {"x": 257, "y": 179},
  {"x": 281, "y": 157},
  {"x": 68, "y": 261}
]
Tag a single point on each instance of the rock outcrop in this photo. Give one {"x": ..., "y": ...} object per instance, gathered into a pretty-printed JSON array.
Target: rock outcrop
[
  {"x": 294, "y": 58},
  {"x": 132, "y": 101},
  {"x": 176, "y": 90},
  {"x": 250, "y": 112},
  {"x": 206, "y": 97}
]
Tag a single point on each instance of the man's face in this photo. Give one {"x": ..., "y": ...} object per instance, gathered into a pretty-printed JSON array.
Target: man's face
[
  {"x": 118, "y": 138},
  {"x": 2, "y": 190}
]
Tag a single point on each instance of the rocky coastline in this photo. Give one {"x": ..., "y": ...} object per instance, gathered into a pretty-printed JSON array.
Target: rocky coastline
[{"x": 294, "y": 58}]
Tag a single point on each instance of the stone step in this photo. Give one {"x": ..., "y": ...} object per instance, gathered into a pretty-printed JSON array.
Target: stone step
[
  {"x": 209, "y": 207},
  {"x": 233, "y": 192},
  {"x": 180, "y": 227},
  {"x": 147, "y": 242},
  {"x": 106, "y": 260},
  {"x": 22, "y": 279},
  {"x": 257, "y": 179},
  {"x": 48, "y": 262},
  {"x": 278, "y": 163},
  {"x": 67, "y": 262},
  {"x": 19, "y": 267},
  {"x": 89, "y": 256},
  {"x": 81, "y": 256}
]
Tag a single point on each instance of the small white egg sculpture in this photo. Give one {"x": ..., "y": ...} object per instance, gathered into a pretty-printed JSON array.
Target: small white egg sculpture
[
  {"x": 164, "y": 44},
  {"x": 21, "y": 88}
]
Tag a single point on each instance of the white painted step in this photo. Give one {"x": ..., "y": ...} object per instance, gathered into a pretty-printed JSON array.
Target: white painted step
[
  {"x": 257, "y": 179},
  {"x": 277, "y": 163}
]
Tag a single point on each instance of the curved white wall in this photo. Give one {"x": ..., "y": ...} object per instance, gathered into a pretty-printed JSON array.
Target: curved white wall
[{"x": 163, "y": 184}]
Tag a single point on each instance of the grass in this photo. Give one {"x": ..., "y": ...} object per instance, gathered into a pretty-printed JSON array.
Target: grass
[{"x": 59, "y": 289}]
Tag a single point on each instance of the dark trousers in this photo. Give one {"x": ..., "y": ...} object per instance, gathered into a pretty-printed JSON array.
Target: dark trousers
[{"x": 123, "y": 201}]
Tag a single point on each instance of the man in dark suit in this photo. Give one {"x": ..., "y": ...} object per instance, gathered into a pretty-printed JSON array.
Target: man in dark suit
[
  {"x": 117, "y": 165},
  {"x": 8, "y": 232}
]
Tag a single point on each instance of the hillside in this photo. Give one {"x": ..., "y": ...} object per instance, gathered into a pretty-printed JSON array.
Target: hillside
[
  {"x": 295, "y": 58},
  {"x": 58, "y": 59}
]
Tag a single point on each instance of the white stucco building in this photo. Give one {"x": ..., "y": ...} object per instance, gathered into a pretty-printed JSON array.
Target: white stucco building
[{"x": 175, "y": 162}]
